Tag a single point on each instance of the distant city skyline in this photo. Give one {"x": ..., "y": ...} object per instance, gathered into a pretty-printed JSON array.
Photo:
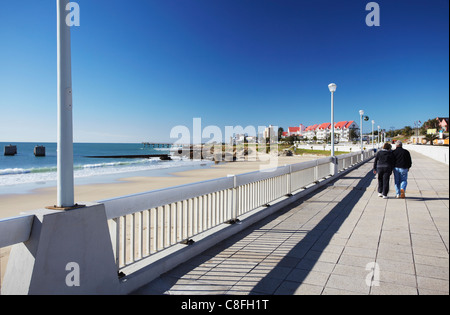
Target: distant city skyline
[{"x": 140, "y": 70}]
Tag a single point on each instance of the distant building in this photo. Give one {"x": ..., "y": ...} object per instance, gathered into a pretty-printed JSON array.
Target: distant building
[
  {"x": 344, "y": 130},
  {"x": 322, "y": 131},
  {"x": 310, "y": 131},
  {"x": 296, "y": 131},
  {"x": 443, "y": 123},
  {"x": 268, "y": 132}
]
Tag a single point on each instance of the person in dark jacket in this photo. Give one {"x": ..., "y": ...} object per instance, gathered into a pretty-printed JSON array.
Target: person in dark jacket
[
  {"x": 383, "y": 165},
  {"x": 402, "y": 165}
]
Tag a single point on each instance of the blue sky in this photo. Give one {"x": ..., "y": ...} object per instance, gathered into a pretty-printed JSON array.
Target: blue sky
[{"x": 141, "y": 67}]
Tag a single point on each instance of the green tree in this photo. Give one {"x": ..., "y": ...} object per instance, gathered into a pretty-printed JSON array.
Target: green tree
[
  {"x": 429, "y": 124},
  {"x": 280, "y": 133},
  {"x": 431, "y": 137},
  {"x": 289, "y": 140},
  {"x": 408, "y": 131},
  {"x": 353, "y": 135}
]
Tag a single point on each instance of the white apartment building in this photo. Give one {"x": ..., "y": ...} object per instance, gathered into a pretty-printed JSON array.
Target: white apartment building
[
  {"x": 268, "y": 132},
  {"x": 296, "y": 131},
  {"x": 322, "y": 131}
]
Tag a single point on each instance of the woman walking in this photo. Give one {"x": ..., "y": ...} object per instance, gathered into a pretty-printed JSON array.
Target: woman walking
[{"x": 383, "y": 165}]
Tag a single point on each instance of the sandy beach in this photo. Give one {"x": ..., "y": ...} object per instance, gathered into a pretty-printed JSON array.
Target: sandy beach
[{"x": 14, "y": 204}]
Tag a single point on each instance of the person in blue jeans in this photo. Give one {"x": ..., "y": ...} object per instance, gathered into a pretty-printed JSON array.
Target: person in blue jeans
[{"x": 402, "y": 165}]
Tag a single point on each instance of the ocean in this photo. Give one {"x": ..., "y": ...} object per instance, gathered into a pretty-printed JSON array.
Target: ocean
[{"x": 25, "y": 171}]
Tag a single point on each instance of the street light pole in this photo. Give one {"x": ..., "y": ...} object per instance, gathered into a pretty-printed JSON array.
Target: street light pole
[
  {"x": 332, "y": 88},
  {"x": 373, "y": 142},
  {"x": 65, "y": 184},
  {"x": 379, "y": 137},
  {"x": 361, "y": 113}
]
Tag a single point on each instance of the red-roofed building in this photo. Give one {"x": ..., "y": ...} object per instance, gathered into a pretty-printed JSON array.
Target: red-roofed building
[
  {"x": 345, "y": 132},
  {"x": 310, "y": 131},
  {"x": 323, "y": 130},
  {"x": 443, "y": 123},
  {"x": 296, "y": 131},
  {"x": 349, "y": 123},
  {"x": 293, "y": 130},
  {"x": 340, "y": 125}
]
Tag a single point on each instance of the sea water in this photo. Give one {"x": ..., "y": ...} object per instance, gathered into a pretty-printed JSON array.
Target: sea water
[{"x": 24, "y": 171}]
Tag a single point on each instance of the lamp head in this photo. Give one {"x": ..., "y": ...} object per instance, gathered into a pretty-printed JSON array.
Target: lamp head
[
  {"x": 361, "y": 112},
  {"x": 332, "y": 87}
]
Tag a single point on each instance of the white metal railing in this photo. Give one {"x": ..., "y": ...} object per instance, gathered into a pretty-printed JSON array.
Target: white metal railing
[{"x": 143, "y": 224}]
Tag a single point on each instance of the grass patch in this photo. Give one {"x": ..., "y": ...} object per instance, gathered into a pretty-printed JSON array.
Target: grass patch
[{"x": 318, "y": 152}]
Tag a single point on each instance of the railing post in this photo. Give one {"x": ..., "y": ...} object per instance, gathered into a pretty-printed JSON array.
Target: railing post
[
  {"x": 289, "y": 180},
  {"x": 114, "y": 231},
  {"x": 316, "y": 171},
  {"x": 234, "y": 200}
]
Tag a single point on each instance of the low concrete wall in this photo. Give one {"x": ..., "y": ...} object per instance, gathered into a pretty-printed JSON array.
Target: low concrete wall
[
  {"x": 68, "y": 252},
  {"x": 438, "y": 153}
]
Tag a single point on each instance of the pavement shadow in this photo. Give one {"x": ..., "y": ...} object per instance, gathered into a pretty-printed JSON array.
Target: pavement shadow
[
  {"x": 319, "y": 237},
  {"x": 425, "y": 198}
]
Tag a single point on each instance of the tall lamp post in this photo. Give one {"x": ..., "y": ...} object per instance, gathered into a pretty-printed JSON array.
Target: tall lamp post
[
  {"x": 373, "y": 142},
  {"x": 379, "y": 137},
  {"x": 65, "y": 185},
  {"x": 332, "y": 88},
  {"x": 416, "y": 126},
  {"x": 361, "y": 113}
]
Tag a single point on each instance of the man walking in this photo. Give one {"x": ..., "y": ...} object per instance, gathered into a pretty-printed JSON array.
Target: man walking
[{"x": 401, "y": 167}]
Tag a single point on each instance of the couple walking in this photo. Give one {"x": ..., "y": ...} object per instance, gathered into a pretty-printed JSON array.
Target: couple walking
[{"x": 387, "y": 161}]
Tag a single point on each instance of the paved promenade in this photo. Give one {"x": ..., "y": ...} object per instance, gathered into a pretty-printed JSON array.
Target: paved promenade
[{"x": 342, "y": 239}]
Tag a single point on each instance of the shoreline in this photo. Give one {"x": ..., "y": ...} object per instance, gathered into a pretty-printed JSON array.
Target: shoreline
[
  {"x": 107, "y": 178},
  {"x": 13, "y": 204}
]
